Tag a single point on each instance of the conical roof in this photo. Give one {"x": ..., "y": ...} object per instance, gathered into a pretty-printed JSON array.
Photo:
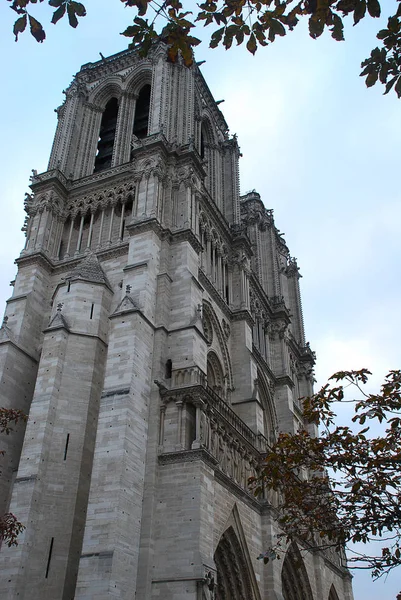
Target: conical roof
[{"x": 89, "y": 269}]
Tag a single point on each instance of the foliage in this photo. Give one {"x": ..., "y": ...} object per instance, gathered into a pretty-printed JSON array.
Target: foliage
[
  {"x": 259, "y": 22},
  {"x": 10, "y": 527},
  {"x": 344, "y": 485}
]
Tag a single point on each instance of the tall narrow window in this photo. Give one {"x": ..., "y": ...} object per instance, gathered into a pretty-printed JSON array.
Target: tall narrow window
[
  {"x": 49, "y": 558},
  {"x": 202, "y": 143},
  {"x": 141, "y": 120},
  {"x": 106, "y": 136},
  {"x": 168, "y": 369},
  {"x": 66, "y": 446}
]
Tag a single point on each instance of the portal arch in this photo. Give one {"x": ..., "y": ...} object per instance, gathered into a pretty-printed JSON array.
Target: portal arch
[
  {"x": 233, "y": 577},
  {"x": 294, "y": 578},
  {"x": 333, "y": 593}
]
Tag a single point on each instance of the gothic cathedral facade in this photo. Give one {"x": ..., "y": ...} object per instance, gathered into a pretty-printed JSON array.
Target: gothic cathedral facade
[{"x": 155, "y": 338}]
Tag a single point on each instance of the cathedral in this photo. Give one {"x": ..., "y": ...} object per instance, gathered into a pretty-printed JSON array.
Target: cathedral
[{"x": 155, "y": 339}]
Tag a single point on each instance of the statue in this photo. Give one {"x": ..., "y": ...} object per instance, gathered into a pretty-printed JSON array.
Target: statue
[{"x": 209, "y": 587}]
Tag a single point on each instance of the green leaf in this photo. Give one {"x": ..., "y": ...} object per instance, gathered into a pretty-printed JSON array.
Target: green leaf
[
  {"x": 251, "y": 44},
  {"x": 72, "y": 17},
  {"x": 19, "y": 26},
  {"x": 393, "y": 25},
  {"x": 374, "y": 8},
  {"x": 359, "y": 11},
  {"x": 216, "y": 38},
  {"x": 36, "y": 29},
  {"x": 58, "y": 14},
  {"x": 337, "y": 31},
  {"x": 384, "y": 73},
  {"x": 398, "y": 87},
  {"x": 390, "y": 84},
  {"x": 56, "y": 3},
  {"x": 79, "y": 8},
  {"x": 316, "y": 27},
  {"x": 276, "y": 28},
  {"x": 260, "y": 36},
  {"x": 239, "y": 37}
]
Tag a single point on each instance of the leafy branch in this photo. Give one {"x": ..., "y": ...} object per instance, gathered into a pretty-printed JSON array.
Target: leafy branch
[
  {"x": 258, "y": 22},
  {"x": 342, "y": 486},
  {"x": 10, "y": 527}
]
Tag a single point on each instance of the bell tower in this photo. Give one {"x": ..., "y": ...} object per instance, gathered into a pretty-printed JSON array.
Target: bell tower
[{"x": 155, "y": 338}]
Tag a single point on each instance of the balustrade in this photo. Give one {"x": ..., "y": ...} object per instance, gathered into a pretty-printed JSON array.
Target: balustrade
[{"x": 197, "y": 418}]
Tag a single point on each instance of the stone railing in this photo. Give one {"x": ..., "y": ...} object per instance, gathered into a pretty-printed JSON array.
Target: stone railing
[
  {"x": 188, "y": 376},
  {"x": 195, "y": 417}
]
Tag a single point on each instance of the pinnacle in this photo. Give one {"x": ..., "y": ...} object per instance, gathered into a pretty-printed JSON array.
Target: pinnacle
[{"x": 58, "y": 321}]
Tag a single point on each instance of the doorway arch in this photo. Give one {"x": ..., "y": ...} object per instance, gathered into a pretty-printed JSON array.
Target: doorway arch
[
  {"x": 294, "y": 578},
  {"x": 233, "y": 577}
]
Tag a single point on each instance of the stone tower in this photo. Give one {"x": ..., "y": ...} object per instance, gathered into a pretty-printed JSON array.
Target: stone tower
[{"x": 155, "y": 337}]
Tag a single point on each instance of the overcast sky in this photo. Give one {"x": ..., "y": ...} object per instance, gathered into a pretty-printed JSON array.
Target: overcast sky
[{"x": 321, "y": 149}]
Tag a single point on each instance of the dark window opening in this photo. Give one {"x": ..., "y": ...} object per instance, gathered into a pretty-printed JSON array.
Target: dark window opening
[
  {"x": 49, "y": 558},
  {"x": 92, "y": 307},
  {"x": 66, "y": 446},
  {"x": 190, "y": 425},
  {"x": 106, "y": 136},
  {"x": 202, "y": 144},
  {"x": 168, "y": 369},
  {"x": 141, "y": 120},
  {"x": 68, "y": 286},
  {"x": 128, "y": 205}
]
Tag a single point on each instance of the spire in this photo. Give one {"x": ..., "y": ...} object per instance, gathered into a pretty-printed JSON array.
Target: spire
[{"x": 89, "y": 269}]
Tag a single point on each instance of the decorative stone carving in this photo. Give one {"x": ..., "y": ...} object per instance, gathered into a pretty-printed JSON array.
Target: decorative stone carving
[
  {"x": 226, "y": 329},
  {"x": 292, "y": 268},
  {"x": 277, "y": 328},
  {"x": 209, "y": 587},
  {"x": 207, "y": 328}
]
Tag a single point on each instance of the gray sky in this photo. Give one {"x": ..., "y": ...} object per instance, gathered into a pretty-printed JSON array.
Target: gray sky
[{"x": 321, "y": 149}]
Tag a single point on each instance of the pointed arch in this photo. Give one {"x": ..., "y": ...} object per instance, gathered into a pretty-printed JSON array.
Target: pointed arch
[
  {"x": 294, "y": 578},
  {"x": 333, "y": 593},
  {"x": 141, "y": 75},
  {"x": 269, "y": 409},
  {"x": 234, "y": 579},
  {"x": 233, "y": 533},
  {"x": 142, "y": 111},
  {"x": 215, "y": 375},
  {"x": 222, "y": 346},
  {"x": 101, "y": 94},
  {"x": 207, "y": 135},
  {"x": 208, "y": 144}
]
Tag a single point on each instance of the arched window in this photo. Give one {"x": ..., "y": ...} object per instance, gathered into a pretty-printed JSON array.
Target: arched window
[
  {"x": 269, "y": 420},
  {"x": 107, "y": 134},
  {"x": 207, "y": 150},
  {"x": 168, "y": 367},
  {"x": 202, "y": 142},
  {"x": 333, "y": 594},
  {"x": 141, "y": 120},
  {"x": 215, "y": 377}
]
